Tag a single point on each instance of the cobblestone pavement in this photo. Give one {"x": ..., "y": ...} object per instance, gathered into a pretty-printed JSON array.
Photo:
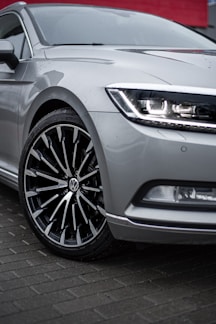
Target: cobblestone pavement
[{"x": 150, "y": 284}]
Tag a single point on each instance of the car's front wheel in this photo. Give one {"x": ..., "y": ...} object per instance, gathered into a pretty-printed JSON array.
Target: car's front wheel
[{"x": 61, "y": 190}]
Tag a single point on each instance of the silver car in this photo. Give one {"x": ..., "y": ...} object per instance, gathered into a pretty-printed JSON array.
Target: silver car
[{"x": 107, "y": 126}]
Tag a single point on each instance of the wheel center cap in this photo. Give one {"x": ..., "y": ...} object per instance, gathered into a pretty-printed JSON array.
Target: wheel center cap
[{"x": 73, "y": 184}]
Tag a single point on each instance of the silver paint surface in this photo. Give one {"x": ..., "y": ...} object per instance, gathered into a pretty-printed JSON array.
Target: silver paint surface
[{"x": 129, "y": 154}]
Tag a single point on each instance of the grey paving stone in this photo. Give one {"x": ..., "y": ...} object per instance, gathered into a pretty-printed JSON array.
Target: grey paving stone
[
  {"x": 7, "y": 308},
  {"x": 204, "y": 283},
  {"x": 19, "y": 257},
  {"x": 30, "y": 303},
  {"x": 127, "y": 306},
  {"x": 83, "y": 317},
  {"x": 32, "y": 316},
  {"x": 5, "y": 276},
  {"x": 174, "y": 293},
  {"x": 113, "y": 272},
  {"x": 14, "y": 266},
  {"x": 16, "y": 294},
  {"x": 190, "y": 276},
  {"x": 12, "y": 284},
  {"x": 166, "y": 311},
  {"x": 140, "y": 276},
  {"x": 95, "y": 287},
  {"x": 202, "y": 299},
  {"x": 27, "y": 248},
  {"x": 34, "y": 270},
  {"x": 158, "y": 284},
  {"x": 67, "y": 263},
  {"x": 58, "y": 285},
  {"x": 81, "y": 304},
  {"x": 5, "y": 236},
  {"x": 127, "y": 319},
  {"x": 178, "y": 267},
  {"x": 24, "y": 282},
  {"x": 81, "y": 270},
  {"x": 176, "y": 320},
  {"x": 26, "y": 236},
  {"x": 142, "y": 289},
  {"x": 13, "y": 243},
  {"x": 5, "y": 252},
  {"x": 204, "y": 315}
]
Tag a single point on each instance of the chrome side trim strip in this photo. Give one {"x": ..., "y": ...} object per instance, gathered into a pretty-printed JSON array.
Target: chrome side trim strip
[{"x": 9, "y": 175}]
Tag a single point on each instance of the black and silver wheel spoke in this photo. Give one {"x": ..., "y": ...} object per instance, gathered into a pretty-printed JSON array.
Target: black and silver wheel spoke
[{"x": 62, "y": 186}]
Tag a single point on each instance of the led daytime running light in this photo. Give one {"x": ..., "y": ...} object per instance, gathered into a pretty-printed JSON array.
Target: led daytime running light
[{"x": 191, "y": 111}]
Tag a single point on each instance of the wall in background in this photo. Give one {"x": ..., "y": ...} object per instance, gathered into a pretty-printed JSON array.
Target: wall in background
[
  {"x": 188, "y": 12},
  {"x": 210, "y": 31}
]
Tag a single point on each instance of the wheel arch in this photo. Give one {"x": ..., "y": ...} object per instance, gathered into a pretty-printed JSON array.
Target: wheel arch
[
  {"x": 46, "y": 108},
  {"x": 56, "y": 98},
  {"x": 48, "y": 100}
]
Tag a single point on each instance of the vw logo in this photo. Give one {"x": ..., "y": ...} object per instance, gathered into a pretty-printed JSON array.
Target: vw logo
[{"x": 73, "y": 184}]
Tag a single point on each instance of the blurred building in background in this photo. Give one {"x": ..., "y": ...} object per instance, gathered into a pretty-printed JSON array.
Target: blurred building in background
[
  {"x": 189, "y": 12},
  {"x": 210, "y": 30},
  {"x": 199, "y": 14}
]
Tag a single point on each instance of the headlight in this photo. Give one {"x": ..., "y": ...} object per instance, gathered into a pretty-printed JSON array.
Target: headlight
[{"x": 167, "y": 106}]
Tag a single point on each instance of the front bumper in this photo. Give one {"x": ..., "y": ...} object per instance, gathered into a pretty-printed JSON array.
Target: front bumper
[
  {"x": 129, "y": 229},
  {"x": 131, "y": 155}
]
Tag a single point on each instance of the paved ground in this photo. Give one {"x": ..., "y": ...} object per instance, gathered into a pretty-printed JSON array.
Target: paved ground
[{"x": 154, "y": 284}]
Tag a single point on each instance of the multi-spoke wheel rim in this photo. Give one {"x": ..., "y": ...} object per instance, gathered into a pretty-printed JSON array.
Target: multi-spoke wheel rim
[{"x": 62, "y": 186}]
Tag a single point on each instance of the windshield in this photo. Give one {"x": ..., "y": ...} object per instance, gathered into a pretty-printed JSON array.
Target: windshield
[{"x": 69, "y": 24}]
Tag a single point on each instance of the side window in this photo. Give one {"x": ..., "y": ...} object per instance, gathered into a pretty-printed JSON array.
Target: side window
[{"x": 11, "y": 30}]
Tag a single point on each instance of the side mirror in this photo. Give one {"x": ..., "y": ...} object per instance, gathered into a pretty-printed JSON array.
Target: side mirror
[{"x": 7, "y": 54}]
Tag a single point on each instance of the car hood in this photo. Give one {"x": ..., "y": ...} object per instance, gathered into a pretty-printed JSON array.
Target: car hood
[{"x": 172, "y": 66}]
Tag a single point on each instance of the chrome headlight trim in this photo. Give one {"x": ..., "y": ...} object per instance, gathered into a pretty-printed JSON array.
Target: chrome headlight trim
[
  {"x": 125, "y": 105},
  {"x": 163, "y": 87}
]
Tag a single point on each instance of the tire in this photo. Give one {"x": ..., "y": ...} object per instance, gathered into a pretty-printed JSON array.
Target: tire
[{"x": 60, "y": 188}]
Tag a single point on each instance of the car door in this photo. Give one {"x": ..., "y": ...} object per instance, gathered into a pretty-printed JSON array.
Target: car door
[{"x": 11, "y": 29}]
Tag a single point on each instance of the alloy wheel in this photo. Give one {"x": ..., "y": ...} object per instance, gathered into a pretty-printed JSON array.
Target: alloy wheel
[{"x": 62, "y": 186}]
